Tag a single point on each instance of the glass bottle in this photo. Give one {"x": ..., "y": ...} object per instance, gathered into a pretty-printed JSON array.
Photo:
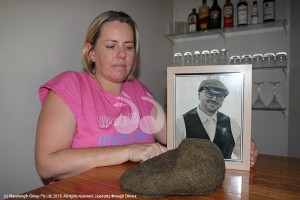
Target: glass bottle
[
  {"x": 215, "y": 57},
  {"x": 197, "y": 58},
  {"x": 205, "y": 57},
  {"x": 215, "y": 16},
  {"x": 269, "y": 10},
  {"x": 193, "y": 21},
  {"x": 188, "y": 59},
  {"x": 254, "y": 14},
  {"x": 269, "y": 59},
  {"x": 223, "y": 57},
  {"x": 242, "y": 13},
  {"x": 258, "y": 60},
  {"x": 235, "y": 60},
  {"x": 246, "y": 59},
  {"x": 281, "y": 59},
  {"x": 228, "y": 14},
  {"x": 203, "y": 16},
  {"x": 177, "y": 59}
]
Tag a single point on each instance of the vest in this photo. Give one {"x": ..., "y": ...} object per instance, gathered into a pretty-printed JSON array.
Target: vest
[{"x": 223, "y": 136}]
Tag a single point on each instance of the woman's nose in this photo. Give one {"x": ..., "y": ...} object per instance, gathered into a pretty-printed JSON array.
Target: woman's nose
[{"x": 121, "y": 52}]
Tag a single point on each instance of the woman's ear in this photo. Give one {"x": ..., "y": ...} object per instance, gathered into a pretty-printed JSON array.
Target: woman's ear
[{"x": 91, "y": 53}]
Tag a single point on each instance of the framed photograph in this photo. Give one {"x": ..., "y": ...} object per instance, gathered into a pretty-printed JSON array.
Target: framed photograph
[{"x": 212, "y": 102}]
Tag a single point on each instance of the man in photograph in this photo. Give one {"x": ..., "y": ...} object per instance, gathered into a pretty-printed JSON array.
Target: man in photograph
[{"x": 206, "y": 122}]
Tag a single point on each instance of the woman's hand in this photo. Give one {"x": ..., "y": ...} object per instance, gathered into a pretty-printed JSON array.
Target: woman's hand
[
  {"x": 253, "y": 153},
  {"x": 143, "y": 152}
]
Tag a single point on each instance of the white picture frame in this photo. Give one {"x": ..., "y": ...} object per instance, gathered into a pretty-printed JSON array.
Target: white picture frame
[{"x": 182, "y": 95}]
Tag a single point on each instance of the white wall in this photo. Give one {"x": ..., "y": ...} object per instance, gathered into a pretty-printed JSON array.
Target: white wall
[{"x": 38, "y": 40}]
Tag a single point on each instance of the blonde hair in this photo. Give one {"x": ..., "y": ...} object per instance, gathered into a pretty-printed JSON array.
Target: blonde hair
[{"x": 94, "y": 32}]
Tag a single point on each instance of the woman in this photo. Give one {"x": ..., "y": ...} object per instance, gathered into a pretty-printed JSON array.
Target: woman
[{"x": 98, "y": 117}]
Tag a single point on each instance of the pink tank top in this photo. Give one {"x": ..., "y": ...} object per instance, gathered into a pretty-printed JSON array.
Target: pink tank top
[{"x": 104, "y": 119}]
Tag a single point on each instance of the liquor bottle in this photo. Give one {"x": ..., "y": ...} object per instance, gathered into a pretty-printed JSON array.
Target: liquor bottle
[
  {"x": 254, "y": 14},
  {"x": 269, "y": 10},
  {"x": 228, "y": 14},
  {"x": 203, "y": 16},
  {"x": 215, "y": 16},
  {"x": 193, "y": 21},
  {"x": 242, "y": 13}
]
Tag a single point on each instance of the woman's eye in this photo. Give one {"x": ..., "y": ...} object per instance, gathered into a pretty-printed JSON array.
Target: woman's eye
[
  {"x": 110, "y": 46},
  {"x": 129, "y": 48}
]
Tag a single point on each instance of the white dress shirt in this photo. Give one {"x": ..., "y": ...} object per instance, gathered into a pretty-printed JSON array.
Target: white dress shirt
[{"x": 210, "y": 123}]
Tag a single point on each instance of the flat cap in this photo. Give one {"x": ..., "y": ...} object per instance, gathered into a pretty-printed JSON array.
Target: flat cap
[
  {"x": 195, "y": 167},
  {"x": 213, "y": 84}
]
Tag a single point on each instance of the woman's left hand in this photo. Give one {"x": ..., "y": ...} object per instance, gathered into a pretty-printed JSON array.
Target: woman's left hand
[{"x": 253, "y": 154}]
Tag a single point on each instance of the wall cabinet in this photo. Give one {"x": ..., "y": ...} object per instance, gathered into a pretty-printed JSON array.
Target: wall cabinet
[
  {"x": 249, "y": 40},
  {"x": 240, "y": 39}
]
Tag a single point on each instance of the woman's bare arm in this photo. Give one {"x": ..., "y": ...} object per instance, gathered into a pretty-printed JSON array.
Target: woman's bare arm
[
  {"x": 53, "y": 152},
  {"x": 159, "y": 123}
]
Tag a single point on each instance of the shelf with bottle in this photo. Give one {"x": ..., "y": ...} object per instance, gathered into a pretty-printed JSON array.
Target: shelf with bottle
[
  {"x": 267, "y": 61},
  {"x": 270, "y": 61},
  {"x": 273, "y": 26}
]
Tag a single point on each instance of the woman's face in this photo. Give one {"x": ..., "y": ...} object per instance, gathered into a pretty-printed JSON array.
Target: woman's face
[{"x": 114, "y": 52}]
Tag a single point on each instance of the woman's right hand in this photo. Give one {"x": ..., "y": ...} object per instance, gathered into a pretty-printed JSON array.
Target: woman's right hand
[{"x": 143, "y": 152}]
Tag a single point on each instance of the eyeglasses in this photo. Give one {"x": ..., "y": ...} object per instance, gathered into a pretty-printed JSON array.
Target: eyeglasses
[{"x": 219, "y": 97}]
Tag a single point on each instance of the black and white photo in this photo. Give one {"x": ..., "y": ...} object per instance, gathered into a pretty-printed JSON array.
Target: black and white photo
[
  {"x": 213, "y": 103},
  {"x": 205, "y": 120}
]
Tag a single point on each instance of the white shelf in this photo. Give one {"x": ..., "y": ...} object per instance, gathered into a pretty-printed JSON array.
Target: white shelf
[
  {"x": 269, "y": 67},
  {"x": 229, "y": 32},
  {"x": 283, "y": 68},
  {"x": 283, "y": 110}
]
